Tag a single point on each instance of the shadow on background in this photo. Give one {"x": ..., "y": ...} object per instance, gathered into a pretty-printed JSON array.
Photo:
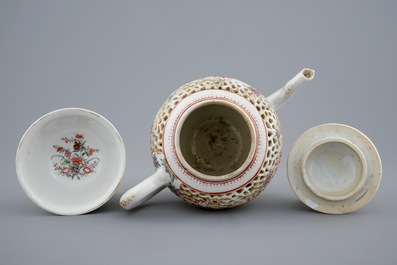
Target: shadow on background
[{"x": 168, "y": 207}]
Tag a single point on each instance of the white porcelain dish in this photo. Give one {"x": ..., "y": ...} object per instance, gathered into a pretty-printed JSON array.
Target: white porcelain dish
[
  {"x": 70, "y": 161},
  {"x": 334, "y": 168}
]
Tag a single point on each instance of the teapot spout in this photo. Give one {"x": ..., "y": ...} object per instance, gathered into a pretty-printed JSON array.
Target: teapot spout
[{"x": 278, "y": 98}]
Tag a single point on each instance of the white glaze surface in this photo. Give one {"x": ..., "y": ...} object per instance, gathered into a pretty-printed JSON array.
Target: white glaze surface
[
  {"x": 42, "y": 159},
  {"x": 334, "y": 168}
]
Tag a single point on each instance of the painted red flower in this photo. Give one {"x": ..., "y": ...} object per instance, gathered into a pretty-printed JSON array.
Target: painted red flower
[
  {"x": 66, "y": 170},
  {"x": 90, "y": 152},
  {"x": 79, "y": 136},
  {"x": 87, "y": 170},
  {"x": 77, "y": 161},
  {"x": 73, "y": 159}
]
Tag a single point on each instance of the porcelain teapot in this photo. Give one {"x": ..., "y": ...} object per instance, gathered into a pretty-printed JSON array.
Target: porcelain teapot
[{"x": 216, "y": 143}]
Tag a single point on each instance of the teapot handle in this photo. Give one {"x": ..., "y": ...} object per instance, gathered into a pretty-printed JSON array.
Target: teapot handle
[{"x": 145, "y": 190}]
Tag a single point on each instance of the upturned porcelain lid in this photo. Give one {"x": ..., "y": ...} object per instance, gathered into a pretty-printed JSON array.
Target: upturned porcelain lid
[{"x": 334, "y": 168}]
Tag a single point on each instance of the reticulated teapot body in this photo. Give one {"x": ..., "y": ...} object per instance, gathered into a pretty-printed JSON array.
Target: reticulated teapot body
[
  {"x": 215, "y": 142},
  {"x": 219, "y": 141}
]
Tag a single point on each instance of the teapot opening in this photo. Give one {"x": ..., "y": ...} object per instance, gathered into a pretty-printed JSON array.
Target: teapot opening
[
  {"x": 308, "y": 73},
  {"x": 216, "y": 139}
]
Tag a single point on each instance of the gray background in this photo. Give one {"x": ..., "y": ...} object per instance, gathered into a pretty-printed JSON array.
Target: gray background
[{"x": 123, "y": 58}]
